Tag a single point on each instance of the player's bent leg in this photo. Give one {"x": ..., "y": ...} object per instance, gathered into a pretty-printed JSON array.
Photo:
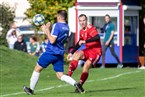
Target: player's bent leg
[
  {"x": 70, "y": 81},
  {"x": 35, "y": 76},
  {"x": 34, "y": 80},
  {"x": 38, "y": 68},
  {"x": 84, "y": 75},
  {"x": 94, "y": 63},
  {"x": 65, "y": 78},
  {"x": 72, "y": 67},
  {"x": 74, "y": 63},
  {"x": 85, "y": 72}
]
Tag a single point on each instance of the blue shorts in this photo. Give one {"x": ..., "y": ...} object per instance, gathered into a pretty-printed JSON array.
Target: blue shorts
[{"x": 56, "y": 60}]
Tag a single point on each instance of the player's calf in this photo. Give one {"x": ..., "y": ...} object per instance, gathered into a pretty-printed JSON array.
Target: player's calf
[{"x": 72, "y": 67}]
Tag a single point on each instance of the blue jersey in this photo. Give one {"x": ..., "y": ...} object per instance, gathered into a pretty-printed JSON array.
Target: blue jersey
[{"x": 61, "y": 32}]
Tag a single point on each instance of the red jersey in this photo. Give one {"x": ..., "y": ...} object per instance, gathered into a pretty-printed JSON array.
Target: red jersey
[{"x": 88, "y": 33}]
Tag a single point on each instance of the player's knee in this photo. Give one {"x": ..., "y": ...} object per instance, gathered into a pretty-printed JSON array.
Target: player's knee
[
  {"x": 59, "y": 75},
  {"x": 78, "y": 56},
  {"x": 87, "y": 66},
  {"x": 38, "y": 68},
  {"x": 86, "y": 70}
]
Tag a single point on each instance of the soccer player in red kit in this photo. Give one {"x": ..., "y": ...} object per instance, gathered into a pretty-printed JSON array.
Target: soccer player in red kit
[{"x": 92, "y": 52}]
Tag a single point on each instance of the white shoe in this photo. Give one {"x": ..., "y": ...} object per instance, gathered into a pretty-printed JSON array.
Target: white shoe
[
  {"x": 119, "y": 66},
  {"x": 141, "y": 67},
  {"x": 102, "y": 66}
]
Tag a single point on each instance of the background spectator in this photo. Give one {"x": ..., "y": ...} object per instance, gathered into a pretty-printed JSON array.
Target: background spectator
[
  {"x": 34, "y": 46},
  {"x": 144, "y": 49},
  {"x": 20, "y": 44},
  {"x": 108, "y": 41},
  {"x": 142, "y": 58},
  {"x": 12, "y": 34},
  {"x": 11, "y": 38},
  {"x": 44, "y": 45}
]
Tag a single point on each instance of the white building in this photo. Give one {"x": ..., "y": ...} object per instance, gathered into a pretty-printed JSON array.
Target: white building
[
  {"x": 21, "y": 7},
  {"x": 124, "y": 15}
]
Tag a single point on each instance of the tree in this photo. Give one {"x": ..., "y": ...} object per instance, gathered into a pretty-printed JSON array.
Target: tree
[
  {"x": 48, "y": 8},
  {"x": 7, "y": 15}
]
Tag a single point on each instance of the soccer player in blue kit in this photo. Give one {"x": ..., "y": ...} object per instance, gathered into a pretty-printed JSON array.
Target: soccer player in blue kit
[{"x": 54, "y": 53}]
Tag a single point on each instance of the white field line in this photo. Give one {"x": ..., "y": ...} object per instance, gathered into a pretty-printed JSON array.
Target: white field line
[{"x": 49, "y": 88}]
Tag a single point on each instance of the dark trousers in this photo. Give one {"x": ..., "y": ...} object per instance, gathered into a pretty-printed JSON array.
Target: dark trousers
[{"x": 111, "y": 47}]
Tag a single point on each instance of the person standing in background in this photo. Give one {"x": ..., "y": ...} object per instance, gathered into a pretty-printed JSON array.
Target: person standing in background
[
  {"x": 11, "y": 37},
  {"x": 108, "y": 42},
  {"x": 34, "y": 47},
  {"x": 44, "y": 45},
  {"x": 144, "y": 39},
  {"x": 142, "y": 58},
  {"x": 20, "y": 44}
]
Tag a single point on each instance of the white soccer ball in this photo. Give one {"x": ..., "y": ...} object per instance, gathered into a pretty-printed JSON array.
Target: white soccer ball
[{"x": 38, "y": 19}]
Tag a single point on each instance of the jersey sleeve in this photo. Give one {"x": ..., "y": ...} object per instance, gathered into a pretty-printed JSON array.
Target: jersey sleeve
[
  {"x": 112, "y": 27},
  {"x": 93, "y": 32},
  {"x": 55, "y": 30}
]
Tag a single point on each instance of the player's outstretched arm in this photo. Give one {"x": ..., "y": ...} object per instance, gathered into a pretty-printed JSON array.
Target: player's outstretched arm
[{"x": 76, "y": 47}]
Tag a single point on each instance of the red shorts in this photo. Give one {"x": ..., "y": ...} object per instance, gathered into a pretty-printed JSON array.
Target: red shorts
[{"x": 93, "y": 55}]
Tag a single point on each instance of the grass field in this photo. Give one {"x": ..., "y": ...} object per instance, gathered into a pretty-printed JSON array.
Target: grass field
[{"x": 16, "y": 69}]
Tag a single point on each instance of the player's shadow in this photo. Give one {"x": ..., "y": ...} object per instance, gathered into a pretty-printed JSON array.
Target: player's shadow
[{"x": 104, "y": 90}]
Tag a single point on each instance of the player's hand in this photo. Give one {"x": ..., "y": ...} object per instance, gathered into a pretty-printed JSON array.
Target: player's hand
[
  {"x": 69, "y": 56},
  {"x": 82, "y": 42},
  {"x": 43, "y": 27},
  {"x": 107, "y": 43},
  {"x": 48, "y": 25}
]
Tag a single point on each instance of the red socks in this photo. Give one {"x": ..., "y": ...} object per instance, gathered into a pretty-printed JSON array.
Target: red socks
[
  {"x": 73, "y": 65},
  {"x": 83, "y": 77}
]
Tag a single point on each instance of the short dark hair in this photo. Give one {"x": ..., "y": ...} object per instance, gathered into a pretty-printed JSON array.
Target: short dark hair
[
  {"x": 34, "y": 38},
  {"x": 62, "y": 13},
  {"x": 81, "y": 15},
  {"x": 107, "y": 15}
]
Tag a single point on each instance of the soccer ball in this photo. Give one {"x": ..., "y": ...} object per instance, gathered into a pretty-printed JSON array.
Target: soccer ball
[{"x": 38, "y": 19}]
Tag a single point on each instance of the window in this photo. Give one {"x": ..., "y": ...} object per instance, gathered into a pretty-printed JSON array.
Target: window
[
  {"x": 130, "y": 30},
  {"x": 98, "y": 22}
]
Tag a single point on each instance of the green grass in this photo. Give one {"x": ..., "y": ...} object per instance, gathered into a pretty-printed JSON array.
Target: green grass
[{"x": 16, "y": 69}]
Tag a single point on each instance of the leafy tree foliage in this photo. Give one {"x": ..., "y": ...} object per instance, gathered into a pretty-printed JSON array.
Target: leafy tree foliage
[
  {"x": 7, "y": 15},
  {"x": 48, "y": 8}
]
